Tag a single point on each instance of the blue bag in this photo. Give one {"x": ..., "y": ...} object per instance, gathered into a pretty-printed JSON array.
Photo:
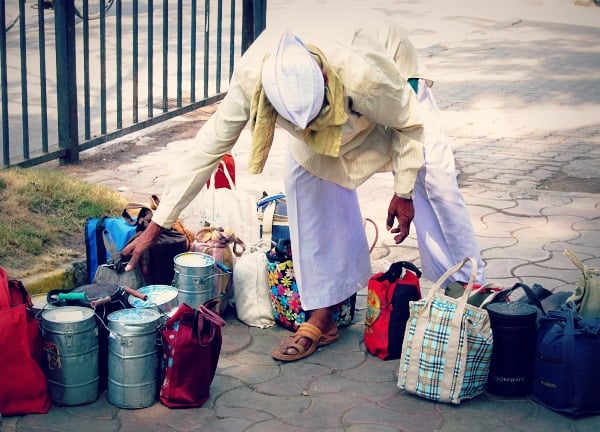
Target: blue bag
[
  {"x": 121, "y": 231},
  {"x": 566, "y": 369},
  {"x": 273, "y": 219}
]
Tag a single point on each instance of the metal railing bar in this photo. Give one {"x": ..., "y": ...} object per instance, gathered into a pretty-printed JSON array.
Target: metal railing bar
[
  {"x": 232, "y": 40},
  {"x": 179, "y": 50},
  {"x": 219, "y": 42},
  {"x": 165, "y": 61},
  {"x": 119, "y": 48},
  {"x": 43, "y": 90},
  {"x": 150, "y": 57},
  {"x": 135, "y": 60},
  {"x": 86, "y": 73},
  {"x": 206, "y": 44},
  {"x": 4, "y": 89},
  {"x": 24, "y": 93},
  {"x": 149, "y": 122},
  {"x": 193, "y": 52},
  {"x": 103, "y": 127}
]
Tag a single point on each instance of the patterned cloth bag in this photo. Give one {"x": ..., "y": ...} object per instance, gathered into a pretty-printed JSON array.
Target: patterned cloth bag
[
  {"x": 285, "y": 299},
  {"x": 447, "y": 346}
]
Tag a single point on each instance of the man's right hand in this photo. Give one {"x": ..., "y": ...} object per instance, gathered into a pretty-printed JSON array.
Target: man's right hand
[{"x": 134, "y": 250}]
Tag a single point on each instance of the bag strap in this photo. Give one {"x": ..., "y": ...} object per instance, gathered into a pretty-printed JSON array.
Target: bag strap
[
  {"x": 469, "y": 287},
  {"x": 372, "y": 222},
  {"x": 268, "y": 199},
  {"x": 202, "y": 314},
  {"x": 575, "y": 260},
  {"x": 267, "y": 222},
  {"x": 504, "y": 294},
  {"x": 4, "y": 294},
  {"x": 100, "y": 246},
  {"x": 396, "y": 269},
  {"x": 227, "y": 175},
  {"x": 587, "y": 271},
  {"x": 230, "y": 181},
  {"x": 109, "y": 243}
]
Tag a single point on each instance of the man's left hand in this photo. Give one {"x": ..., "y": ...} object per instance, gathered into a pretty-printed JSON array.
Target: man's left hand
[{"x": 403, "y": 210}]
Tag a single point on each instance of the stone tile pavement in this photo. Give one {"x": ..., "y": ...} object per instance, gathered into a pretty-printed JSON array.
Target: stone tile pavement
[{"x": 520, "y": 91}]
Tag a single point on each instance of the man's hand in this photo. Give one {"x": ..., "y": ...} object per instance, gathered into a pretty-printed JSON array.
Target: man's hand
[
  {"x": 141, "y": 243},
  {"x": 403, "y": 210}
]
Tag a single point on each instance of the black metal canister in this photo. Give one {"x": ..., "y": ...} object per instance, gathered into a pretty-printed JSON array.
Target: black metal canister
[{"x": 515, "y": 331}]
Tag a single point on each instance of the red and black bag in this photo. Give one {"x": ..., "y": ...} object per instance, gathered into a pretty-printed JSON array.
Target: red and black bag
[
  {"x": 388, "y": 300},
  {"x": 191, "y": 341},
  {"x": 23, "y": 384}
]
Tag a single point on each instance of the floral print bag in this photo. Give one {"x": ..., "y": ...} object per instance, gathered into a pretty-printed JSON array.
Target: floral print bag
[{"x": 285, "y": 299}]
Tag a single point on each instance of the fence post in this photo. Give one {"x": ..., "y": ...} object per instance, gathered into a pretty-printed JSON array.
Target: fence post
[
  {"x": 254, "y": 21},
  {"x": 68, "y": 131}
]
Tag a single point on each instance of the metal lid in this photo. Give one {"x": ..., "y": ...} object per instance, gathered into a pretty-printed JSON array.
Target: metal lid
[
  {"x": 157, "y": 295},
  {"x": 512, "y": 310},
  {"x": 67, "y": 314},
  {"x": 194, "y": 259},
  {"x": 134, "y": 316}
]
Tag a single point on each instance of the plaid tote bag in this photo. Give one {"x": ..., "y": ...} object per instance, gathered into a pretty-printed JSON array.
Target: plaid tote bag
[{"x": 447, "y": 345}]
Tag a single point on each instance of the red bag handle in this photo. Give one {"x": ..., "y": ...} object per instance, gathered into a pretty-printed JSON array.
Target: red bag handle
[
  {"x": 202, "y": 314},
  {"x": 4, "y": 294}
]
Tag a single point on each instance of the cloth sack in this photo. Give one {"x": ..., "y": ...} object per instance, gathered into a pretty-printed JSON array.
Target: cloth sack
[
  {"x": 23, "y": 384},
  {"x": 222, "y": 245},
  {"x": 587, "y": 295},
  {"x": 252, "y": 299},
  {"x": 285, "y": 298},
  {"x": 272, "y": 218},
  {"x": 447, "y": 345},
  {"x": 565, "y": 373},
  {"x": 388, "y": 300},
  {"x": 191, "y": 342}
]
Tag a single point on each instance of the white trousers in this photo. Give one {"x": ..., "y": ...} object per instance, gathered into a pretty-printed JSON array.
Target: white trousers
[
  {"x": 445, "y": 234},
  {"x": 329, "y": 245}
]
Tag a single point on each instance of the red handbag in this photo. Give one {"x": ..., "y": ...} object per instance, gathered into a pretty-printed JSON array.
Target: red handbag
[
  {"x": 191, "y": 347},
  {"x": 23, "y": 384},
  {"x": 388, "y": 300}
]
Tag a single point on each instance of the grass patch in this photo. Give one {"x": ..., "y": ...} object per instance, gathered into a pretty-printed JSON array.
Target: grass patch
[{"x": 42, "y": 217}]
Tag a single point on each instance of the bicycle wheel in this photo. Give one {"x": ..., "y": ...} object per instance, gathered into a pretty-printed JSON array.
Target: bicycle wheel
[
  {"x": 93, "y": 8},
  {"x": 11, "y": 13}
]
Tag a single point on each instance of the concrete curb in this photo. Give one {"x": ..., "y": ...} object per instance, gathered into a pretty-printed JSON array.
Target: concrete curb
[{"x": 68, "y": 277}]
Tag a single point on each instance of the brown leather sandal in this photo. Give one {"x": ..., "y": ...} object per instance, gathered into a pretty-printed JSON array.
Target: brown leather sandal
[{"x": 306, "y": 330}]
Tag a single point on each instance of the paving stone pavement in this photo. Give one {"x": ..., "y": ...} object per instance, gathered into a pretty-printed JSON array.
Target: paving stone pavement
[{"x": 520, "y": 91}]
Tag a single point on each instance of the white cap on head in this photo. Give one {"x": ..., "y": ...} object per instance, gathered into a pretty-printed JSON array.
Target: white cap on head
[{"x": 293, "y": 81}]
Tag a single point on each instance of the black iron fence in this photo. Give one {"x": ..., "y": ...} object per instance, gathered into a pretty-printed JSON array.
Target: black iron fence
[{"x": 77, "y": 73}]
